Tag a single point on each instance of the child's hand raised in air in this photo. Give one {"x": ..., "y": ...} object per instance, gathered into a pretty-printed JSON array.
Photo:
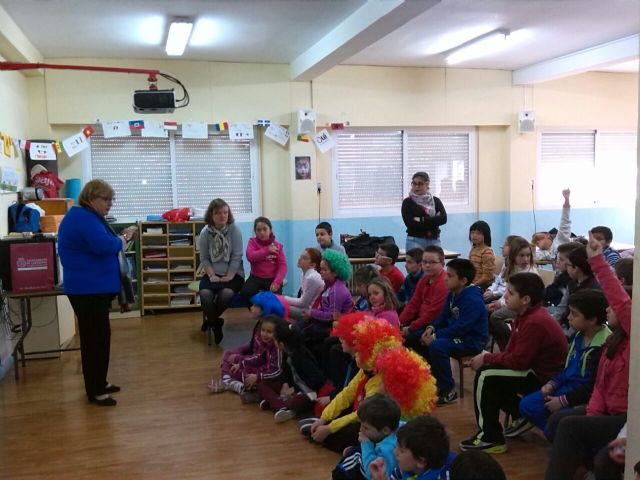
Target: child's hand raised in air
[
  {"x": 566, "y": 193},
  {"x": 594, "y": 247}
]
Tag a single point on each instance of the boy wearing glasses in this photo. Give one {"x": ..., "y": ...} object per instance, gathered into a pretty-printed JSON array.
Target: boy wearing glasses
[
  {"x": 386, "y": 257},
  {"x": 427, "y": 300}
]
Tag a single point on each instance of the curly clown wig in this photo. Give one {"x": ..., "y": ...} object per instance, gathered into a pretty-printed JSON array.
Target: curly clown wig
[
  {"x": 338, "y": 263},
  {"x": 344, "y": 326},
  {"x": 407, "y": 378},
  {"x": 269, "y": 303},
  {"x": 371, "y": 338}
]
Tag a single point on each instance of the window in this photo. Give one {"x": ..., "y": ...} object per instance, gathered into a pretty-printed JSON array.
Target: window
[
  {"x": 373, "y": 168},
  {"x": 153, "y": 175},
  {"x": 598, "y": 167}
]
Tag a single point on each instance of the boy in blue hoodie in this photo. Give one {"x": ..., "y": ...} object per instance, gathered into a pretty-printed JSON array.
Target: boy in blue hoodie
[
  {"x": 379, "y": 419},
  {"x": 573, "y": 386},
  {"x": 460, "y": 329}
]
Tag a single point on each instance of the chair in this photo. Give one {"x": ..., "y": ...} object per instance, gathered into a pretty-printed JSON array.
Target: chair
[{"x": 462, "y": 360}]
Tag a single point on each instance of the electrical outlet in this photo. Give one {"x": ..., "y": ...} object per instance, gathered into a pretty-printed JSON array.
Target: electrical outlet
[{"x": 319, "y": 187}]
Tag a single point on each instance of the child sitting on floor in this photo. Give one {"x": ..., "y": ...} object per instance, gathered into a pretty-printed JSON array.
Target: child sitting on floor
[
  {"x": 476, "y": 465},
  {"x": 297, "y": 389},
  {"x": 383, "y": 302},
  {"x": 481, "y": 255},
  {"x": 422, "y": 452},
  {"x": 312, "y": 284},
  {"x": 379, "y": 417},
  {"x": 362, "y": 277},
  {"x": 243, "y": 367}
]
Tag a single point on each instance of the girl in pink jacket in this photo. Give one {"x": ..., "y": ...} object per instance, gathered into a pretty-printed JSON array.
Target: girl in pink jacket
[{"x": 267, "y": 259}]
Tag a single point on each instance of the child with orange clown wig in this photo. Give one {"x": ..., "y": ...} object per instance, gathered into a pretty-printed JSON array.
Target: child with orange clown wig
[
  {"x": 407, "y": 379},
  {"x": 370, "y": 337}
]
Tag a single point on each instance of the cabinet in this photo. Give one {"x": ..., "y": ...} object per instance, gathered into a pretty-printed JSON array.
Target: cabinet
[{"x": 169, "y": 259}]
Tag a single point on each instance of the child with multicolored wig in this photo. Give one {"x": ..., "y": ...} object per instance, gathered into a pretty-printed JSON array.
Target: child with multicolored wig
[
  {"x": 244, "y": 366},
  {"x": 335, "y": 430}
]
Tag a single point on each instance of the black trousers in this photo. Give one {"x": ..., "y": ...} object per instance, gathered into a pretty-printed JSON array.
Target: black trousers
[
  {"x": 347, "y": 436},
  {"x": 578, "y": 439},
  {"x": 95, "y": 339},
  {"x": 496, "y": 389},
  {"x": 253, "y": 285}
]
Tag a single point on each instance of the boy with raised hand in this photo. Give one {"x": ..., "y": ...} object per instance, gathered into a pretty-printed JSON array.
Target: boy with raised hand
[
  {"x": 546, "y": 247},
  {"x": 604, "y": 236},
  {"x": 422, "y": 452},
  {"x": 379, "y": 418},
  {"x": 460, "y": 329},
  {"x": 536, "y": 350},
  {"x": 427, "y": 300}
]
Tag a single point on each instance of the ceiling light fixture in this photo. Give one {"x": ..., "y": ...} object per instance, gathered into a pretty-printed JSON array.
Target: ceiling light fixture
[
  {"x": 477, "y": 47},
  {"x": 178, "y": 37}
]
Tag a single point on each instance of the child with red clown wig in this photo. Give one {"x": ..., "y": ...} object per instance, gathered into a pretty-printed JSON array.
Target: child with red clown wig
[{"x": 370, "y": 337}]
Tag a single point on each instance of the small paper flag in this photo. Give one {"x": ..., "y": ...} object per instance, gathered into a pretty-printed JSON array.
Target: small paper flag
[
  {"x": 221, "y": 127},
  {"x": 337, "y": 126},
  {"x": 170, "y": 125},
  {"x": 136, "y": 124},
  {"x": 58, "y": 146},
  {"x": 7, "y": 145},
  {"x": 263, "y": 123},
  {"x": 303, "y": 137},
  {"x": 88, "y": 131}
]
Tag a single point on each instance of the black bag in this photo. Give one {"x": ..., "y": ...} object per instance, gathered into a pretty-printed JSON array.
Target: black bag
[{"x": 365, "y": 246}]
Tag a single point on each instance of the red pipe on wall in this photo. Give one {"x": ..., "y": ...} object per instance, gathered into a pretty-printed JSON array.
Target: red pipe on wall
[{"x": 35, "y": 66}]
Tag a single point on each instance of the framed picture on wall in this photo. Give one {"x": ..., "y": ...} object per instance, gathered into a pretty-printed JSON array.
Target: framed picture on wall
[{"x": 303, "y": 168}]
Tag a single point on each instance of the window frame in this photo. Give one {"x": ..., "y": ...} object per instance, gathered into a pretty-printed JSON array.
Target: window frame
[
  {"x": 255, "y": 172},
  {"x": 393, "y": 211}
]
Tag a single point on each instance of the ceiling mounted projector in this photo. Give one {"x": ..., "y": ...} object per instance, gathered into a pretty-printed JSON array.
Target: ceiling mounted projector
[{"x": 154, "y": 101}]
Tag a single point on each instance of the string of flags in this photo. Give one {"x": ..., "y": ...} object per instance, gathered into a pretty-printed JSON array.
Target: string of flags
[{"x": 152, "y": 128}]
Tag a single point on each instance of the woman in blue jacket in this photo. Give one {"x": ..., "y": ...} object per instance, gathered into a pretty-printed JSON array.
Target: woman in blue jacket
[{"x": 88, "y": 249}]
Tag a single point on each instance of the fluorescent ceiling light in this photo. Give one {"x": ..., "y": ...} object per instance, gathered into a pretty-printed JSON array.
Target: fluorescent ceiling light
[
  {"x": 205, "y": 33},
  {"x": 179, "y": 33},
  {"x": 483, "y": 45}
]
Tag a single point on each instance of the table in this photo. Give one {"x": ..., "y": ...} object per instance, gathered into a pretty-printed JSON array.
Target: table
[{"x": 26, "y": 323}]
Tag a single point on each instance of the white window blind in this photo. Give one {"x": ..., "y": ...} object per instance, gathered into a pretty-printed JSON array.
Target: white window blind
[
  {"x": 138, "y": 169},
  {"x": 369, "y": 171},
  {"x": 214, "y": 168},
  {"x": 446, "y": 158},
  {"x": 153, "y": 175},
  {"x": 616, "y": 169}
]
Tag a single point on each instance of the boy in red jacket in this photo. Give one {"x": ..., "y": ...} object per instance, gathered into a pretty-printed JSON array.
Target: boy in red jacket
[{"x": 536, "y": 350}]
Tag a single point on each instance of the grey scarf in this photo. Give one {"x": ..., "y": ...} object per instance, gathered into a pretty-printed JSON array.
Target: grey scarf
[
  {"x": 426, "y": 202},
  {"x": 219, "y": 248}
]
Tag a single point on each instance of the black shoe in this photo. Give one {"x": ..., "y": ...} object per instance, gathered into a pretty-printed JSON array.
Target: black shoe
[
  {"x": 217, "y": 330},
  {"x": 446, "y": 398},
  {"x": 111, "y": 388},
  {"x": 205, "y": 324},
  {"x": 105, "y": 402}
]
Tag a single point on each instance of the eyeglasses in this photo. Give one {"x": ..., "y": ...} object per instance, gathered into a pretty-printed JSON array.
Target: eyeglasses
[
  {"x": 418, "y": 184},
  {"x": 429, "y": 262}
]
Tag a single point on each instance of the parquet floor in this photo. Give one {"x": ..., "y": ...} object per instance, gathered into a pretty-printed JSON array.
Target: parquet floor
[{"x": 166, "y": 424}]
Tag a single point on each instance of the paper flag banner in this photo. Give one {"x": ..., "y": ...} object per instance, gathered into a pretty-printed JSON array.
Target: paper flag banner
[
  {"x": 22, "y": 144},
  {"x": 263, "y": 123},
  {"x": 221, "y": 127},
  {"x": 118, "y": 128},
  {"x": 277, "y": 133},
  {"x": 170, "y": 125},
  {"x": 75, "y": 144},
  {"x": 153, "y": 128},
  {"x": 58, "y": 146},
  {"x": 337, "y": 126},
  {"x": 136, "y": 124},
  {"x": 42, "y": 151},
  {"x": 88, "y": 131},
  {"x": 194, "y": 130},
  {"x": 324, "y": 141},
  {"x": 303, "y": 137},
  {"x": 240, "y": 131},
  {"x": 7, "y": 145}
]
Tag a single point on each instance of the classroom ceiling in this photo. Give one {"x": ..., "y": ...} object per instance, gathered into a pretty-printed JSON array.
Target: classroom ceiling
[{"x": 285, "y": 31}]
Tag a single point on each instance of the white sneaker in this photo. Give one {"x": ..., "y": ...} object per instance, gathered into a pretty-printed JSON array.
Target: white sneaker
[
  {"x": 236, "y": 386},
  {"x": 283, "y": 415}
]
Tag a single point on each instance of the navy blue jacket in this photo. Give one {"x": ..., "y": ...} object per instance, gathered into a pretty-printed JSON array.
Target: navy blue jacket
[
  {"x": 464, "y": 317},
  {"x": 88, "y": 250}
]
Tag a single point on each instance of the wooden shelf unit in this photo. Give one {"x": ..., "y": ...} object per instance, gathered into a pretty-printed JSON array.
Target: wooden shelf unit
[{"x": 167, "y": 266}]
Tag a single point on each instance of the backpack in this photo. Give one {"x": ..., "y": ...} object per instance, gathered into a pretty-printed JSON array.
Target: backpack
[
  {"x": 365, "y": 246},
  {"x": 23, "y": 218}
]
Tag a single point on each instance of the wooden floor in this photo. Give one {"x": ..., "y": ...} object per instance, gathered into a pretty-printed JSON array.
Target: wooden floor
[{"x": 166, "y": 424}]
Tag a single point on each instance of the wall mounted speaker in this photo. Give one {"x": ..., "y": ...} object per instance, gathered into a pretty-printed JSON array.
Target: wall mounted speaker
[
  {"x": 526, "y": 121},
  {"x": 306, "y": 121}
]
